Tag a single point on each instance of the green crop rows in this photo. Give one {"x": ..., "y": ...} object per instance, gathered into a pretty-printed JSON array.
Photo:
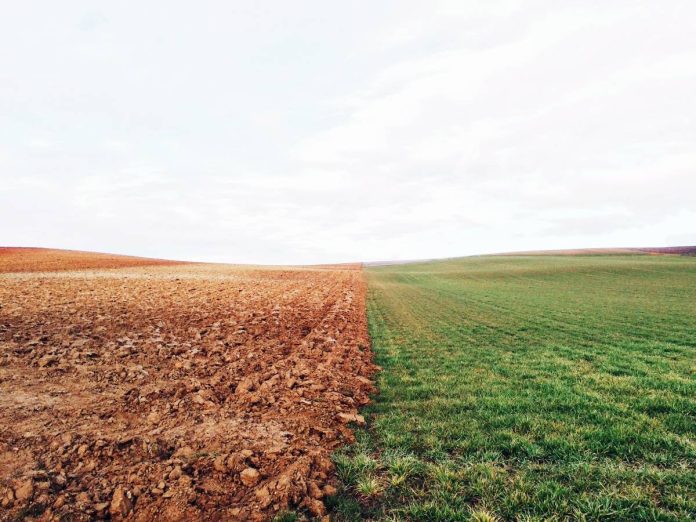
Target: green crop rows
[{"x": 529, "y": 388}]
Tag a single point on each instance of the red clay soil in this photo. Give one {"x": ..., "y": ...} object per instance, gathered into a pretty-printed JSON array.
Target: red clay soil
[
  {"x": 183, "y": 392},
  {"x": 21, "y": 259}
]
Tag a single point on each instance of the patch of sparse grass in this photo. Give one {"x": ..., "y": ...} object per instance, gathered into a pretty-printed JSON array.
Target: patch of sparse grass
[
  {"x": 529, "y": 388},
  {"x": 355, "y": 467},
  {"x": 368, "y": 486},
  {"x": 286, "y": 516}
]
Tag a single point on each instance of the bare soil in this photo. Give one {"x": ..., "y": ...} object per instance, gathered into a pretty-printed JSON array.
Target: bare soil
[
  {"x": 177, "y": 392},
  {"x": 14, "y": 259}
]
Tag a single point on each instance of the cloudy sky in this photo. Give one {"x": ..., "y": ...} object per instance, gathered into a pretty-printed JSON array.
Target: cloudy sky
[{"x": 318, "y": 131}]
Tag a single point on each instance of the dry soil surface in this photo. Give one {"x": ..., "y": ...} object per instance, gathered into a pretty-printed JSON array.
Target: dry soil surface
[
  {"x": 43, "y": 259},
  {"x": 177, "y": 392}
]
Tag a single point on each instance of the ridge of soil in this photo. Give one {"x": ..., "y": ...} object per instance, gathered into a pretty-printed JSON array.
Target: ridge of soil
[{"x": 180, "y": 392}]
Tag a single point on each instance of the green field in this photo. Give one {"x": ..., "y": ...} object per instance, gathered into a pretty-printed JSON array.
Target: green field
[{"x": 529, "y": 388}]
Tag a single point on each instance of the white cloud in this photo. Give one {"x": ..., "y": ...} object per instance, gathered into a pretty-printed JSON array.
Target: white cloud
[{"x": 367, "y": 131}]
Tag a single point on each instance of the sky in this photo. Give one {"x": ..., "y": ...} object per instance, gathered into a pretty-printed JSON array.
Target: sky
[{"x": 305, "y": 132}]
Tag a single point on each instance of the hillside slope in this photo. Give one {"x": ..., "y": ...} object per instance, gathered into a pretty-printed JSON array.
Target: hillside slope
[{"x": 26, "y": 259}]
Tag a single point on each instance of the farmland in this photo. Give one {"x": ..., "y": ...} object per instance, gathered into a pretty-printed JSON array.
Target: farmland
[
  {"x": 529, "y": 388},
  {"x": 50, "y": 260},
  {"x": 143, "y": 389},
  {"x": 517, "y": 387}
]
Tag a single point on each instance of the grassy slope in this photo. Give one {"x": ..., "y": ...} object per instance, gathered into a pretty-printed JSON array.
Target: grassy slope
[{"x": 530, "y": 388}]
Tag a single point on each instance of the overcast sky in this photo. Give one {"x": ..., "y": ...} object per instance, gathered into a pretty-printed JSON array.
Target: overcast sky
[{"x": 319, "y": 131}]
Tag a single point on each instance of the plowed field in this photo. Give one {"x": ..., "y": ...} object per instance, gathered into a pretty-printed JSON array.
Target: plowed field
[
  {"x": 183, "y": 391},
  {"x": 48, "y": 260}
]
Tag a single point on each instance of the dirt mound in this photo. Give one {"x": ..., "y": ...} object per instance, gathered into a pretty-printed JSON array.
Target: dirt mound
[
  {"x": 177, "y": 392},
  {"x": 17, "y": 259}
]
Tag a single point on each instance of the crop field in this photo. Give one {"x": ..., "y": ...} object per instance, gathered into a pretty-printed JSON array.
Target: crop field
[
  {"x": 151, "y": 390},
  {"x": 49, "y": 260},
  {"x": 529, "y": 388},
  {"x": 545, "y": 387}
]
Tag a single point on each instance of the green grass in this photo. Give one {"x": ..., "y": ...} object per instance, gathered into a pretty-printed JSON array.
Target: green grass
[{"x": 529, "y": 388}]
